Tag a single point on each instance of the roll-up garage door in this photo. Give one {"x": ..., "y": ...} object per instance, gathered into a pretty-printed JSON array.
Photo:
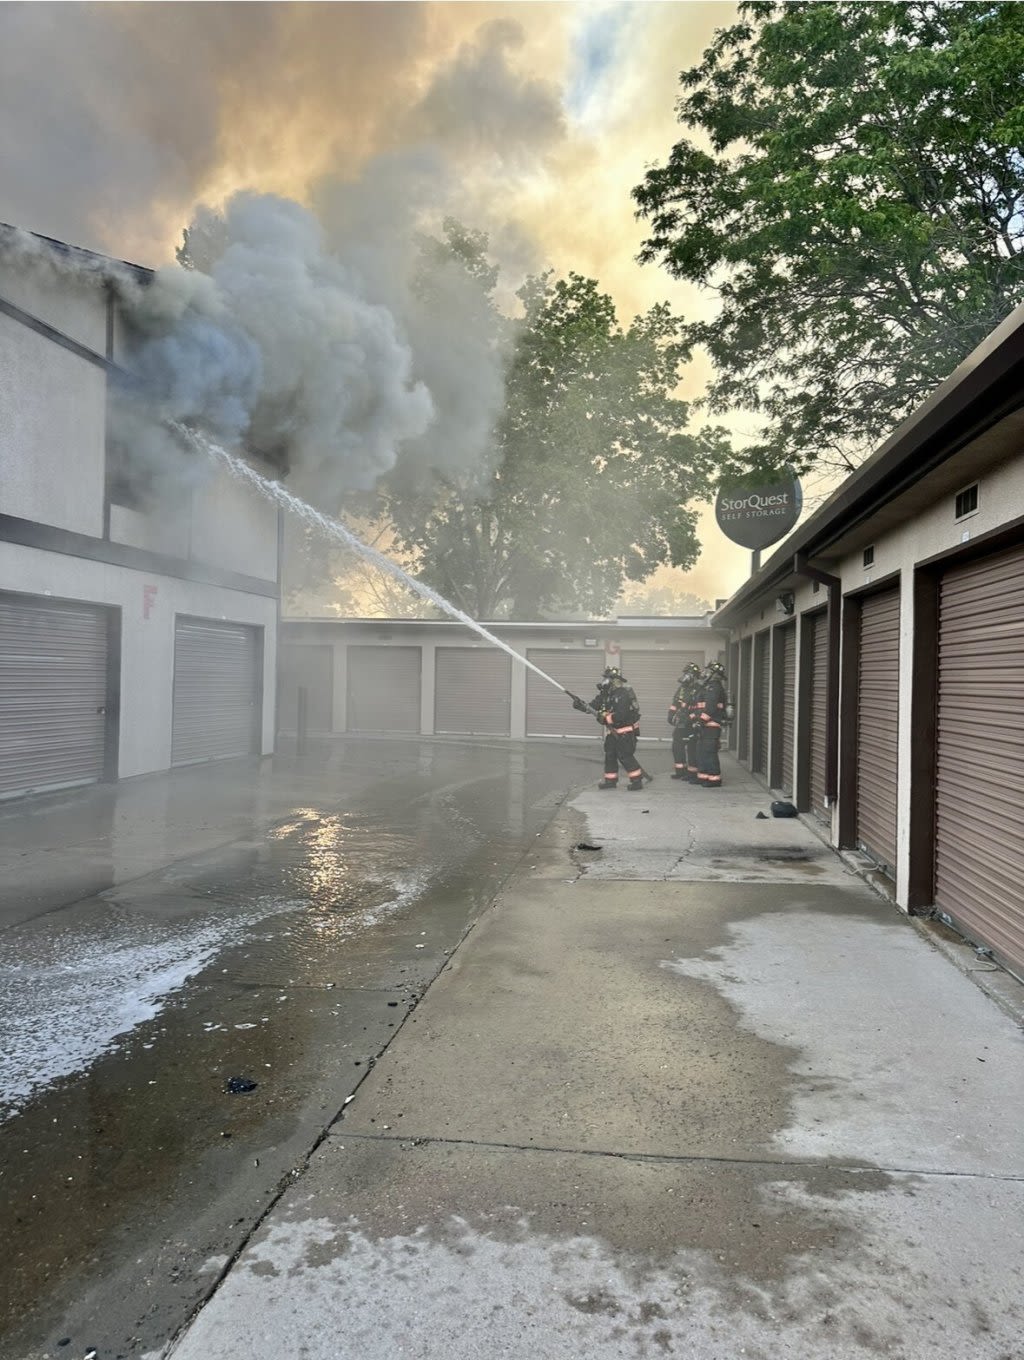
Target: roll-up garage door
[
  {"x": 762, "y": 653},
  {"x": 734, "y": 693},
  {"x": 310, "y": 668},
  {"x": 384, "y": 689},
  {"x": 979, "y": 824},
  {"x": 817, "y": 722},
  {"x": 53, "y": 694},
  {"x": 743, "y": 700},
  {"x": 655, "y": 678},
  {"x": 217, "y": 690},
  {"x": 551, "y": 714},
  {"x": 786, "y": 707},
  {"x": 473, "y": 690},
  {"x": 878, "y": 692}
]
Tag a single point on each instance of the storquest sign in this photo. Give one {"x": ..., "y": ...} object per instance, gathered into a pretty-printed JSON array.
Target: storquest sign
[{"x": 757, "y": 516}]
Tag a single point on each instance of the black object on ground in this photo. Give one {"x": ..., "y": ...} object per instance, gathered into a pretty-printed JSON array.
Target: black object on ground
[
  {"x": 761, "y": 817},
  {"x": 240, "y": 1086},
  {"x": 585, "y": 845},
  {"x": 783, "y": 810}
]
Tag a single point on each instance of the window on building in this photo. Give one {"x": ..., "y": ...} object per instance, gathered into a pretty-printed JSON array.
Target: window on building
[
  {"x": 967, "y": 501},
  {"x": 869, "y": 557}
]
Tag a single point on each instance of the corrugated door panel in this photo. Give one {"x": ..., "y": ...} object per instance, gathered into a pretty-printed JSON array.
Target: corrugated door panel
[
  {"x": 384, "y": 689},
  {"x": 551, "y": 714},
  {"x": 743, "y": 692},
  {"x": 788, "y": 705},
  {"x": 979, "y": 809},
  {"x": 762, "y": 694},
  {"x": 308, "y": 667},
  {"x": 655, "y": 677},
  {"x": 216, "y": 691},
  {"x": 53, "y": 688},
  {"x": 877, "y": 725},
  {"x": 734, "y": 692},
  {"x": 473, "y": 690},
  {"x": 817, "y": 723}
]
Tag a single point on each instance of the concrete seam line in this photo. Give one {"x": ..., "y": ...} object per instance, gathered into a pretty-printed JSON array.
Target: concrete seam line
[{"x": 669, "y": 1159}]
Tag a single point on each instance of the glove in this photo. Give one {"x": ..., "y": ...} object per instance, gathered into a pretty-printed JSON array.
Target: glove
[
  {"x": 671, "y": 720},
  {"x": 579, "y": 705}
]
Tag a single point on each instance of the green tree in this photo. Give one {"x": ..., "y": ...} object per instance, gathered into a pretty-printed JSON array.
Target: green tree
[
  {"x": 595, "y": 474},
  {"x": 859, "y": 214}
]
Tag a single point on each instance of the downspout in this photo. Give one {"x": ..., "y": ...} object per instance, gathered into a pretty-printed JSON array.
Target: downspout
[{"x": 835, "y": 588}]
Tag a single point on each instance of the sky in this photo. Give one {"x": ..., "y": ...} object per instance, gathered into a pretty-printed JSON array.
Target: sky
[{"x": 532, "y": 120}]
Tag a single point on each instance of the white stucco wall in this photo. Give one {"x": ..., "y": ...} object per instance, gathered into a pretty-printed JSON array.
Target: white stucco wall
[{"x": 147, "y": 643}]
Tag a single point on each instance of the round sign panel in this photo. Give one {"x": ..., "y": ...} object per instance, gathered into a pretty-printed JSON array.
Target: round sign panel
[{"x": 756, "y": 516}]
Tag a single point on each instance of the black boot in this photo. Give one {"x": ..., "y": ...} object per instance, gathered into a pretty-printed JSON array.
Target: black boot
[
  {"x": 607, "y": 784},
  {"x": 634, "y": 785},
  {"x": 680, "y": 774}
]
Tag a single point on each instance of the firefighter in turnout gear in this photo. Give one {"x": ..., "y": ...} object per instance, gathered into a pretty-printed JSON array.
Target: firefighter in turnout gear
[
  {"x": 619, "y": 714},
  {"x": 710, "y": 711},
  {"x": 680, "y": 719}
]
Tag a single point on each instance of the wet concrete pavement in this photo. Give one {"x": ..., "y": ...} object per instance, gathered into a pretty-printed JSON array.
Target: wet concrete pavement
[
  {"x": 700, "y": 1094},
  {"x": 275, "y": 920}
]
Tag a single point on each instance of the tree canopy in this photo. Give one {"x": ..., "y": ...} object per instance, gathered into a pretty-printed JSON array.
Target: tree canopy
[
  {"x": 854, "y": 196},
  {"x": 594, "y": 473}
]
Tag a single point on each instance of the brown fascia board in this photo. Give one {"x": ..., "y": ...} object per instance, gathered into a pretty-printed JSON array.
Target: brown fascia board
[
  {"x": 104, "y": 265},
  {"x": 987, "y": 386}
]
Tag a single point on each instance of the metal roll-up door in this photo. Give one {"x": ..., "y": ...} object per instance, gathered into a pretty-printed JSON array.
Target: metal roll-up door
[
  {"x": 979, "y": 821},
  {"x": 762, "y": 693},
  {"x": 734, "y": 693},
  {"x": 548, "y": 712},
  {"x": 655, "y": 678},
  {"x": 817, "y": 720},
  {"x": 743, "y": 699},
  {"x": 787, "y": 703},
  {"x": 53, "y": 694},
  {"x": 308, "y": 667},
  {"x": 878, "y": 691},
  {"x": 384, "y": 689},
  {"x": 217, "y": 690},
  {"x": 473, "y": 691}
]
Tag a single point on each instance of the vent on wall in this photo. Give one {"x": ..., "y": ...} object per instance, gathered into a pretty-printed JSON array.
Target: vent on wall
[
  {"x": 869, "y": 557},
  {"x": 967, "y": 501}
]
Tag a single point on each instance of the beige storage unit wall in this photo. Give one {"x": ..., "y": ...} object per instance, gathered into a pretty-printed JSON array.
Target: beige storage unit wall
[
  {"x": 549, "y": 713},
  {"x": 309, "y": 668},
  {"x": 217, "y": 702},
  {"x": 473, "y": 691},
  {"x": 878, "y": 691},
  {"x": 979, "y": 821},
  {"x": 655, "y": 677},
  {"x": 53, "y": 694},
  {"x": 384, "y": 689}
]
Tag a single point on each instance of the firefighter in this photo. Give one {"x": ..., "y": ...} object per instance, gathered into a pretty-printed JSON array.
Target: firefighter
[
  {"x": 619, "y": 714},
  {"x": 680, "y": 719},
  {"x": 710, "y": 710}
]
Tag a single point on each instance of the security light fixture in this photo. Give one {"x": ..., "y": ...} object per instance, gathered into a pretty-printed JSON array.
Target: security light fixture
[{"x": 784, "y": 603}]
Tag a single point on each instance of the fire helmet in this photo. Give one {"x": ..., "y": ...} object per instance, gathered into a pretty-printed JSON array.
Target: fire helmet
[
  {"x": 612, "y": 673},
  {"x": 716, "y": 668},
  {"x": 690, "y": 672}
]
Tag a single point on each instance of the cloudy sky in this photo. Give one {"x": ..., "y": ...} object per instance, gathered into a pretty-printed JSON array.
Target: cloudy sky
[{"x": 533, "y": 120}]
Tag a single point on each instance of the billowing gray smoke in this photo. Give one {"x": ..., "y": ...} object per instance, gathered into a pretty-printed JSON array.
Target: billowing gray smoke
[{"x": 279, "y": 347}]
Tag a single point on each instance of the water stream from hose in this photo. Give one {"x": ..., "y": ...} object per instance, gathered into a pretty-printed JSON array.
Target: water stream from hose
[{"x": 335, "y": 530}]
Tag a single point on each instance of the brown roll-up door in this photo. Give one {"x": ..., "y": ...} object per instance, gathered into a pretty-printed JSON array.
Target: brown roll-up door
[
  {"x": 384, "y": 689},
  {"x": 743, "y": 700},
  {"x": 217, "y": 690},
  {"x": 788, "y": 706},
  {"x": 473, "y": 691},
  {"x": 549, "y": 713},
  {"x": 817, "y": 721},
  {"x": 655, "y": 678},
  {"x": 979, "y": 821},
  {"x": 762, "y": 694},
  {"x": 53, "y": 694},
  {"x": 878, "y": 692}
]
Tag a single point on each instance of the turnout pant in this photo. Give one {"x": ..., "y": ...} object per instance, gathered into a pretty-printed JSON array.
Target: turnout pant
[
  {"x": 709, "y": 771},
  {"x": 620, "y": 749},
  {"x": 679, "y": 742}
]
